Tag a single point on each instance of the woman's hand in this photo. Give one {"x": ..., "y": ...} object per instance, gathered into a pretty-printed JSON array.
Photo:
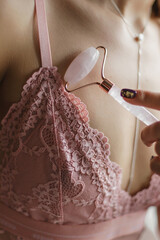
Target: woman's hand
[{"x": 150, "y": 134}]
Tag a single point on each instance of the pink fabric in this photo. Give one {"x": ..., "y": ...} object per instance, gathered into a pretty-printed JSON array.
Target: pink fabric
[
  {"x": 56, "y": 168},
  {"x": 124, "y": 227},
  {"x": 45, "y": 49}
]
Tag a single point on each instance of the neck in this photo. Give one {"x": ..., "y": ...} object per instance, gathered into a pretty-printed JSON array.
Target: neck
[{"x": 137, "y": 12}]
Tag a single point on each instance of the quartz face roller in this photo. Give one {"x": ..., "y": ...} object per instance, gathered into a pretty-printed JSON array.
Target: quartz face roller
[{"x": 82, "y": 65}]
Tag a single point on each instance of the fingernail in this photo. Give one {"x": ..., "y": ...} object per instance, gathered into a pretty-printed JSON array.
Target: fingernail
[
  {"x": 128, "y": 93},
  {"x": 151, "y": 158}
]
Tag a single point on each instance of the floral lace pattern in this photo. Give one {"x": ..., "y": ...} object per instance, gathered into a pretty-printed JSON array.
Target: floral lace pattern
[{"x": 53, "y": 161}]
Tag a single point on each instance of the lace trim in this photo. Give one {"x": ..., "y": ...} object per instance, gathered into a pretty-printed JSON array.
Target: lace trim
[
  {"x": 78, "y": 156},
  {"x": 77, "y": 101},
  {"x": 26, "y": 86}
]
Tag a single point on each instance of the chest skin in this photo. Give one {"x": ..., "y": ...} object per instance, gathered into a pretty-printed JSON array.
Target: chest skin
[{"x": 73, "y": 27}]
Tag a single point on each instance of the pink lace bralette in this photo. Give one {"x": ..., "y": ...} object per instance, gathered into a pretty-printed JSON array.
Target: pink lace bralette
[{"x": 55, "y": 167}]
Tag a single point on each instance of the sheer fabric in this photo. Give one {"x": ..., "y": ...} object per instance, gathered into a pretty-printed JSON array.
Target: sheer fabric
[{"x": 55, "y": 168}]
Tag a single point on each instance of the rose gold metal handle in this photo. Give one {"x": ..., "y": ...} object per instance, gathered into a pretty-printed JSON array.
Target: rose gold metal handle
[{"x": 106, "y": 84}]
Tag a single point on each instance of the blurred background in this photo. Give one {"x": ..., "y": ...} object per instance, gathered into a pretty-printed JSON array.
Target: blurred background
[{"x": 151, "y": 221}]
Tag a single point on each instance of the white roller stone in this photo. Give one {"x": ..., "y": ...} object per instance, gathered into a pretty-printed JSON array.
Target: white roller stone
[{"x": 82, "y": 65}]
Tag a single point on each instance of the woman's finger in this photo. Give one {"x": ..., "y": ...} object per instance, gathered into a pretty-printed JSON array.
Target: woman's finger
[
  {"x": 142, "y": 98},
  {"x": 157, "y": 148},
  {"x": 151, "y": 134},
  {"x": 155, "y": 164}
]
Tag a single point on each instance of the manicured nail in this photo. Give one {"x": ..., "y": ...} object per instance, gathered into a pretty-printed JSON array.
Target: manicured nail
[
  {"x": 128, "y": 93},
  {"x": 151, "y": 158}
]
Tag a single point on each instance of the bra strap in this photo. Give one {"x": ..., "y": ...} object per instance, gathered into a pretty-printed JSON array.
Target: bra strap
[{"x": 45, "y": 48}]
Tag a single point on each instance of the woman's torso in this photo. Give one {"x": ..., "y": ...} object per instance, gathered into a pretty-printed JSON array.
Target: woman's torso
[{"x": 73, "y": 27}]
